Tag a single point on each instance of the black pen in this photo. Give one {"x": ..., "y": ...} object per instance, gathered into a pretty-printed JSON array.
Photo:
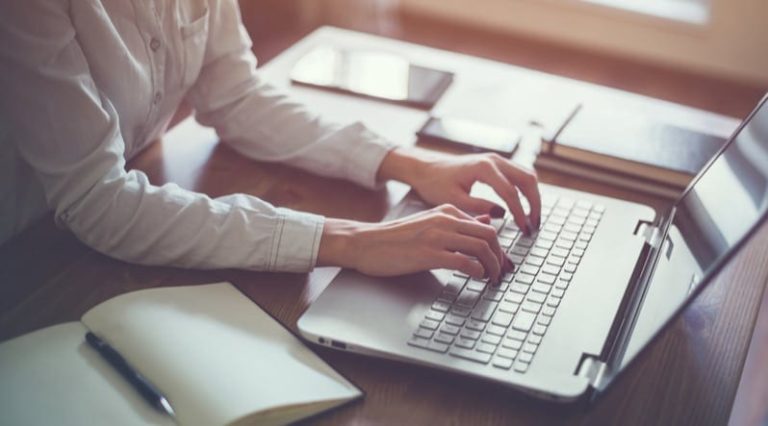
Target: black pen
[{"x": 147, "y": 390}]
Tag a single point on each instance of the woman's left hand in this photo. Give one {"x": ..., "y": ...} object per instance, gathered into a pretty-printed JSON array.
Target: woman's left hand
[{"x": 441, "y": 179}]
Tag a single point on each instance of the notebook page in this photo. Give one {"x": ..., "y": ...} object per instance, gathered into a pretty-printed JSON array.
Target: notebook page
[
  {"x": 214, "y": 354},
  {"x": 52, "y": 377}
]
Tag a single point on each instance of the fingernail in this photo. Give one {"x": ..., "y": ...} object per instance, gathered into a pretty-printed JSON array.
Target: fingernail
[{"x": 497, "y": 212}]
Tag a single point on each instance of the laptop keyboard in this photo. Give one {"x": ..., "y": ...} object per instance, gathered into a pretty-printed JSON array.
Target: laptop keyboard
[{"x": 504, "y": 325}]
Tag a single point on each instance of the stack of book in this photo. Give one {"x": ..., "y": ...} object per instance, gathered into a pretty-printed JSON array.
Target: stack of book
[{"x": 630, "y": 150}]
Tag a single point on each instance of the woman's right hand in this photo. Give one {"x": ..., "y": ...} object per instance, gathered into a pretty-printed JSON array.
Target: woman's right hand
[{"x": 442, "y": 237}]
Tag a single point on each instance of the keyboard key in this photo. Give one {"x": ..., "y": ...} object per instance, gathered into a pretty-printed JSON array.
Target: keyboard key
[
  {"x": 491, "y": 338},
  {"x": 525, "y": 357},
  {"x": 424, "y": 333},
  {"x": 558, "y": 292},
  {"x": 546, "y": 278},
  {"x": 475, "y": 285},
  {"x": 430, "y": 324},
  {"x": 530, "y": 348},
  {"x": 519, "y": 250},
  {"x": 484, "y": 310},
  {"x": 437, "y": 346},
  {"x": 566, "y": 276},
  {"x": 463, "y": 342},
  {"x": 468, "y": 298},
  {"x": 501, "y": 362},
  {"x": 523, "y": 321},
  {"x": 455, "y": 284},
  {"x": 475, "y": 325},
  {"x": 577, "y": 252},
  {"x": 570, "y": 268},
  {"x": 419, "y": 342},
  {"x": 548, "y": 311},
  {"x": 599, "y": 208},
  {"x": 454, "y": 320},
  {"x": 535, "y": 297},
  {"x": 540, "y": 287},
  {"x": 529, "y": 306},
  {"x": 441, "y": 306},
  {"x": 535, "y": 339},
  {"x": 561, "y": 285},
  {"x": 570, "y": 236},
  {"x": 461, "y": 311},
  {"x": 553, "y": 302},
  {"x": 539, "y": 329},
  {"x": 564, "y": 244},
  {"x": 434, "y": 315},
  {"x": 581, "y": 245},
  {"x": 471, "y": 355},
  {"x": 470, "y": 334},
  {"x": 550, "y": 269},
  {"x": 539, "y": 252},
  {"x": 512, "y": 344},
  {"x": 507, "y": 353},
  {"x": 546, "y": 235},
  {"x": 516, "y": 335},
  {"x": 557, "y": 251},
  {"x": 544, "y": 244},
  {"x": 544, "y": 320},
  {"x": 516, "y": 259},
  {"x": 521, "y": 367},
  {"x": 461, "y": 275},
  {"x": 524, "y": 279},
  {"x": 555, "y": 260},
  {"x": 534, "y": 261},
  {"x": 493, "y": 295},
  {"x": 529, "y": 269},
  {"x": 486, "y": 347},
  {"x": 502, "y": 319},
  {"x": 505, "y": 241},
  {"x": 519, "y": 288},
  {"x": 444, "y": 338},
  {"x": 495, "y": 329},
  {"x": 447, "y": 297},
  {"x": 450, "y": 329}
]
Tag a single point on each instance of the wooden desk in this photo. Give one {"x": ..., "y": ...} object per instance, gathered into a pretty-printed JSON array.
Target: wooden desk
[{"x": 690, "y": 376}]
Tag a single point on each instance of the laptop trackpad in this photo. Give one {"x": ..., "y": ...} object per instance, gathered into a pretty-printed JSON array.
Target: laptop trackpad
[{"x": 371, "y": 312}]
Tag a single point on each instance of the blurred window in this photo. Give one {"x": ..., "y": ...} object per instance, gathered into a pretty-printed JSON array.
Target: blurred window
[{"x": 691, "y": 11}]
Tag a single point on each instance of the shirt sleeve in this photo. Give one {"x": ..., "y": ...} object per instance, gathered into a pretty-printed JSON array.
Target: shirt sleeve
[
  {"x": 263, "y": 123},
  {"x": 68, "y": 131}
]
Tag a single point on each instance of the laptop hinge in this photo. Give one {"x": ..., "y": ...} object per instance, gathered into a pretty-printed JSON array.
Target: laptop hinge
[
  {"x": 650, "y": 233},
  {"x": 594, "y": 370}
]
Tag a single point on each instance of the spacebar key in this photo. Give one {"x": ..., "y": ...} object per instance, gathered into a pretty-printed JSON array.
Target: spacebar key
[{"x": 471, "y": 355}]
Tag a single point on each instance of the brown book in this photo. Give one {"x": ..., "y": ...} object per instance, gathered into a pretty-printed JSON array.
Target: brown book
[{"x": 634, "y": 145}]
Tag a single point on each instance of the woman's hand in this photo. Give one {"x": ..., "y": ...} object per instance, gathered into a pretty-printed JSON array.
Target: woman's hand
[
  {"x": 443, "y": 237},
  {"x": 440, "y": 179}
]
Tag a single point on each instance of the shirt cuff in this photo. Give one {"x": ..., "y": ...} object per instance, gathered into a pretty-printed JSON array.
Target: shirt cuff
[
  {"x": 365, "y": 156},
  {"x": 296, "y": 241}
]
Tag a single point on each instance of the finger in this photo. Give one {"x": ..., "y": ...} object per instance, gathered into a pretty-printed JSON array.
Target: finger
[
  {"x": 477, "y": 248},
  {"x": 479, "y": 205},
  {"x": 483, "y": 218},
  {"x": 493, "y": 177},
  {"x": 528, "y": 184},
  {"x": 486, "y": 232},
  {"x": 459, "y": 262}
]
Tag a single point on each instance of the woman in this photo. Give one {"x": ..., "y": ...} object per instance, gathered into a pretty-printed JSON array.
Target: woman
[{"x": 88, "y": 84}]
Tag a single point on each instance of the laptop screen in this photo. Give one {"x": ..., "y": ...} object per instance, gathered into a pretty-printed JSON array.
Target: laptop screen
[{"x": 725, "y": 202}]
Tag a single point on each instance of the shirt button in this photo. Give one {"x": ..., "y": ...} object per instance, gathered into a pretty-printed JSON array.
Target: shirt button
[
  {"x": 154, "y": 44},
  {"x": 157, "y": 98}
]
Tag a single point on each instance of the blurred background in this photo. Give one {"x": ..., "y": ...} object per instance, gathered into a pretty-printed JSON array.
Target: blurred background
[{"x": 709, "y": 54}]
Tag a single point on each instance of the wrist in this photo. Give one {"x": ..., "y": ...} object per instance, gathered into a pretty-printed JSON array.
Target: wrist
[
  {"x": 406, "y": 165},
  {"x": 337, "y": 243}
]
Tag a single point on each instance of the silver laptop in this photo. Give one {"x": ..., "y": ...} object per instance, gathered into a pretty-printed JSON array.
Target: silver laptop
[{"x": 597, "y": 283}]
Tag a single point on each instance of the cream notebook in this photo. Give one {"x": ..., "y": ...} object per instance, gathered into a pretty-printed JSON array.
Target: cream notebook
[{"x": 216, "y": 356}]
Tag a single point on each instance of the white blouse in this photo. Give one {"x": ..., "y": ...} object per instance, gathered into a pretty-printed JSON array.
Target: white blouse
[{"x": 86, "y": 84}]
